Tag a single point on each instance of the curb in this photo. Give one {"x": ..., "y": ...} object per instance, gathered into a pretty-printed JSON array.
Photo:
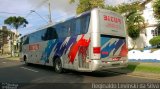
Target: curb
[
  {"x": 145, "y": 75},
  {"x": 137, "y": 74},
  {"x": 10, "y": 58}
]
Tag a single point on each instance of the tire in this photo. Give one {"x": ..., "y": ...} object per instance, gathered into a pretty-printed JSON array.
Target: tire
[
  {"x": 25, "y": 60},
  {"x": 26, "y": 63},
  {"x": 58, "y": 66}
]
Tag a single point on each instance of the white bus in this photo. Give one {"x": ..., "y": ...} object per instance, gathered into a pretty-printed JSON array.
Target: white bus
[{"x": 92, "y": 41}]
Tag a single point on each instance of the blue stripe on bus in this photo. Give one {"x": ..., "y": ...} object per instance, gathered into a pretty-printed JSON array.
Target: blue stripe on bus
[
  {"x": 109, "y": 47},
  {"x": 118, "y": 45},
  {"x": 60, "y": 50},
  {"x": 48, "y": 50}
]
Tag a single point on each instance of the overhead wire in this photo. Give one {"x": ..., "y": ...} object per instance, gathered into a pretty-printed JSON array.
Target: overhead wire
[
  {"x": 38, "y": 6},
  {"x": 34, "y": 10},
  {"x": 11, "y": 13}
]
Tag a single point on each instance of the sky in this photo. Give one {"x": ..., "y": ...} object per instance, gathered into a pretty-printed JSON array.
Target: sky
[{"x": 60, "y": 10}]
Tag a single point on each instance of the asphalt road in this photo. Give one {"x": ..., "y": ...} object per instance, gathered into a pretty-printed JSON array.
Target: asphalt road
[{"x": 15, "y": 72}]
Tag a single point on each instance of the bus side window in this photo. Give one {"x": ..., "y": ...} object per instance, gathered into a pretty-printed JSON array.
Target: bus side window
[
  {"x": 25, "y": 40},
  {"x": 66, "y": 29},
  {"x": 73, "y": 27},
  {"x": 58, "y": 28},
  {"x": 84, "y": 24},
  {"x": 62, "y": 30},
  {"x": 50, "y": 34},
  {"x": 78, "y": 27}
]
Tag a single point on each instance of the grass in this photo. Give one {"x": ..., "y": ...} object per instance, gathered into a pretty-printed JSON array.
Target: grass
[
  {"x": 141, "y": 49},
  {"x": 144, "y": 67}
]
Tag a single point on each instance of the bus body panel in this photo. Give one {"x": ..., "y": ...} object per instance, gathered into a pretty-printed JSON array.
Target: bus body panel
[
  {"x": 95, "y": 37},
  {"x": 108, "y": 44},
  {"x": 72, "y": 51},
  {"x": 111, "y": 23}
]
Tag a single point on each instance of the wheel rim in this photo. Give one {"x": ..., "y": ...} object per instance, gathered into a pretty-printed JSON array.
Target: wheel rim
[{"x": 58, "y": 65}]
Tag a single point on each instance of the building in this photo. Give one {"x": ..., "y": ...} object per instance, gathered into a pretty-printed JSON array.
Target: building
[
  {"x": 151, "y": 30},
  {"x": 7, "y": 40},
  {"x": 4, "y": 40}
]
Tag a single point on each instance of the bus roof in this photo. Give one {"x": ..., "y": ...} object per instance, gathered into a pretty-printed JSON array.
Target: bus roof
[{"x": 52, "y": 24}]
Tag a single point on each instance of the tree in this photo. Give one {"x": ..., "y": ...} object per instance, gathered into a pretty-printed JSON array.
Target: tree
[
  {"x": 15, "y": 22},
  {"x": 112, "y": 8},
  {"x": 135, "y": 23},
  {"x": 4, "y": 33},
  {"x": 155, "y": 41},
  {"x": 85, "y": 5},
  {"x": 134, "y": 20},
  {"x": 156, "y": 8}
]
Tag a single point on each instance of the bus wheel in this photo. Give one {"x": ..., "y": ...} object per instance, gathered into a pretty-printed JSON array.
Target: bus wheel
[
  {"x": 25, "y": 60},
  {"x": 58, "y": 65}
]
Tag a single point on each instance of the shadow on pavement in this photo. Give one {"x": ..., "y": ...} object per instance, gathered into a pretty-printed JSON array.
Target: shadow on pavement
[{"x": 107, "y": 73}]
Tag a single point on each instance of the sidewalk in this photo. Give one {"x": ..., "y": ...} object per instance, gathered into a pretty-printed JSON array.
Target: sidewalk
[
  {"x": 137, "y": 73},
  {"x": 8, "y": 57}
]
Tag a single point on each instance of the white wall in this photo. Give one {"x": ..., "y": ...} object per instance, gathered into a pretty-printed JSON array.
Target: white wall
[
  {"x": 149, "y": 34},
  {"x": 149, "y": 18},
  {"x": 140, "y": 42}
]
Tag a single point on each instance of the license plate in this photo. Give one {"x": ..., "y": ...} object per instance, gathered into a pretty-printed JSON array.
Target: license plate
[
  {"x": 116, "y": 64},
  {"x": 116, "y": 59}
]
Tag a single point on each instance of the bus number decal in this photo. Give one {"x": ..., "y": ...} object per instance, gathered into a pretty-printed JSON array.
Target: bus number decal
[
  {"x": 33, "y": 47},
  {"x": 112, "y": 19}
]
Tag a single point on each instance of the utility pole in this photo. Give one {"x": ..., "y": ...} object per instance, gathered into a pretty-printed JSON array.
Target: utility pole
[{"x": 50, "y": 15}]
